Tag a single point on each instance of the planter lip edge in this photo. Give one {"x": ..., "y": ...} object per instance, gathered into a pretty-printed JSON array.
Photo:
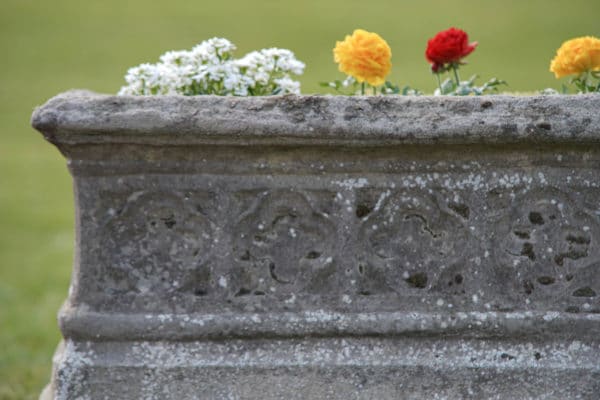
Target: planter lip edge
[{"x": 84, "y": 117}]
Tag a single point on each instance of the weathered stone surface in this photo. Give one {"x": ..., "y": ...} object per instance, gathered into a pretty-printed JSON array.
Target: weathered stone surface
[{"x": 331, "y": 247}]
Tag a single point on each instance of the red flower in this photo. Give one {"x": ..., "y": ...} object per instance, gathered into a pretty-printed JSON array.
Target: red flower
[{"x": 448, "y": 46}]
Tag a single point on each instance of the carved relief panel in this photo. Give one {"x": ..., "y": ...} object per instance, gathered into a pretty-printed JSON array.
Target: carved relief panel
[
  {"x": 284, "y": 241},
  {"x": 539, "y": 246}
]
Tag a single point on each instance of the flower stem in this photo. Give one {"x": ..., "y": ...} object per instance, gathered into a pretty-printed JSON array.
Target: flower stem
[
  {"x": 456, "y": 77},
  {"x": 581, "y": 82},
  {"x": 437, "y": 75},
  {"x": 362, "y": 88},
  {"x": 374, "y": 90}
]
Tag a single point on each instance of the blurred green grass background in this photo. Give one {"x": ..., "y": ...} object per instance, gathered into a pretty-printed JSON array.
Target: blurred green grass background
[{"x": 51, "y": 46}]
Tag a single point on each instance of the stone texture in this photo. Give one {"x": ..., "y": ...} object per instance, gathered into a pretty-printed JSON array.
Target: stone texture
[{"x": 330, "y": 247}]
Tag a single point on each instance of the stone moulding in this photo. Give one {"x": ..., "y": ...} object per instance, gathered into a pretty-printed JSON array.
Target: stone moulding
[{"x": 330, "y": 247}]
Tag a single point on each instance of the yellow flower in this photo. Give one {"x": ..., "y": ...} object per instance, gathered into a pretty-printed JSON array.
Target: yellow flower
[
  {"x": 365, "y": 56},
  {"x": 576, "y": 56}
]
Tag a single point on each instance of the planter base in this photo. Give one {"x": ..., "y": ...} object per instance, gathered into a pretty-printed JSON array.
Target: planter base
[{"x": 340, "y": 368}]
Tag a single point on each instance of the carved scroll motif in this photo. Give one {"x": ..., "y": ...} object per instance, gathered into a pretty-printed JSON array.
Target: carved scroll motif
[
  {"x": 411, "y": 240},
  {"x": 156, "y": 241},
  {"x": 284, "y": 243},
  {"x": 549, "y": 243}
]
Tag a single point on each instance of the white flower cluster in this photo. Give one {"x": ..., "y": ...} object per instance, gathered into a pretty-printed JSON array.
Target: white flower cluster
[{"x": 209, "y": 68}]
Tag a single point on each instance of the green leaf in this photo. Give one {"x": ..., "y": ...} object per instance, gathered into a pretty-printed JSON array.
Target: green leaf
[
  {"x": 448, "y": 86},
  {"x": 390, "y": 88},
  {"x": 472, "y": 80}
]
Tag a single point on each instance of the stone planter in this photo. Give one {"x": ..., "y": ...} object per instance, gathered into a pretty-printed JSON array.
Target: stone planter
[{"x": 330, "y": 247}]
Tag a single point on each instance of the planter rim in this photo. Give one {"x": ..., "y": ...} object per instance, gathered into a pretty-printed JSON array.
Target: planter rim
[{"x": 82, "y": 117}]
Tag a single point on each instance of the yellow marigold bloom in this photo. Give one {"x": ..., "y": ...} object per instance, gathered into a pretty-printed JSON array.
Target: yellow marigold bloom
[
  {"x": 576, "y": 56},
  {"x": 365, "y": 56}
]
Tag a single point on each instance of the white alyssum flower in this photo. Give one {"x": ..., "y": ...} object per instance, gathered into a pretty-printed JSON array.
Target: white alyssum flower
[
  {"x": 210, "y": 68},
  {"x": 177, "y": 58},
  {"x": 288, "y": 85},
  {"x": 150, "y": 79}
]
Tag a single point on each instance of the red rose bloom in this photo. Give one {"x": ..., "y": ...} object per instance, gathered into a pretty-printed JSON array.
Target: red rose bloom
[{"x": 448, "y": 46}]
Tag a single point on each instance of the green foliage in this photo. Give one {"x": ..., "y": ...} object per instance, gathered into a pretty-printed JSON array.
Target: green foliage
[
  {"x": 350, "y": 87},
  {"x": 347, "y": 87},
  {"x": 588, "y": 82},
  {"x": 467, "y": 88},
  {"x": 390, "y": 88}
]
